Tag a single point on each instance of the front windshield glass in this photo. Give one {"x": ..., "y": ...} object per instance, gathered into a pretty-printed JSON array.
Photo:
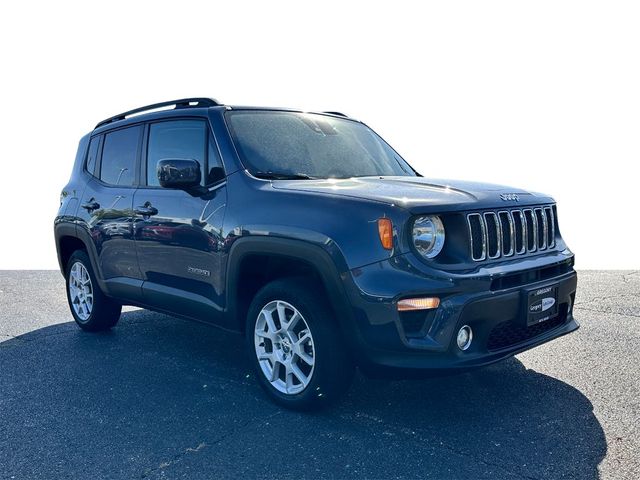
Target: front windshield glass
[{"x": 279, "y": 144}]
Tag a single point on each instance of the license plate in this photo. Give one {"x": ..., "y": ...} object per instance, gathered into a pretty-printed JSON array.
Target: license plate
[{"x": 542, "y": 305}]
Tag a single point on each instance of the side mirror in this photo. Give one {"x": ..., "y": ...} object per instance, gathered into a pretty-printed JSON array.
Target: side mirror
[{"x": 179, "y": 173}]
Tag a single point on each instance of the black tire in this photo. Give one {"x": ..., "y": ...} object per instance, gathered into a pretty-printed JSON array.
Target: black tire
[
  {"x": 333, "y": 367},
  {"x": 104, "y": 312}
]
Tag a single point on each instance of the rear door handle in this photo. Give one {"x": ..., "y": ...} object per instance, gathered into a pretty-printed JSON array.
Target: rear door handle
[
  {"x": 147, "y": 210},
  {"x": 91, "y": 205}
]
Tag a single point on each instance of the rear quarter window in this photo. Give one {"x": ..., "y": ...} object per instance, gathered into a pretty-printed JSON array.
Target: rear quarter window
[{"x": 92, "y": 156}]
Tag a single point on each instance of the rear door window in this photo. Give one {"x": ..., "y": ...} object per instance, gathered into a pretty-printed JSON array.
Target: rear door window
[{"x": 119, "y": 156}]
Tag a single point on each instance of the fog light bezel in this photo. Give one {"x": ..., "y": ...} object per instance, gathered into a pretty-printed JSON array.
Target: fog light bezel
[{"x": 465, "y": 346}]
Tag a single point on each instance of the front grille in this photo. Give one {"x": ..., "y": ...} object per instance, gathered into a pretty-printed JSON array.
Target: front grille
[
  {"x": 507, "y": 334},
  {"x": 505, "y": 233}
]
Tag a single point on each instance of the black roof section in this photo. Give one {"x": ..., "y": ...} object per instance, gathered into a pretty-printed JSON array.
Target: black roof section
[{"x": 197, "y": 102}]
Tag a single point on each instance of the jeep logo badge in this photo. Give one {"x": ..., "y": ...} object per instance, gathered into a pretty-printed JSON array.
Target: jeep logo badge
[
  {"x": 542, "y": 305},
  {"x": 510, "y": 197}
]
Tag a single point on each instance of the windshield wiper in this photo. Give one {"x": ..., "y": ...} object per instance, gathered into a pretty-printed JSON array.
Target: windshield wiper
[{"x": 282, "y": 176}]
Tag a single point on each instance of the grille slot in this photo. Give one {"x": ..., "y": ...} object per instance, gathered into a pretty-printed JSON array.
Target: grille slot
[
  {"x": 508, "y": 234},
  {"x": 520, "y": 231},
  {"x": 551, "y": 222},
  {"x": 511, "y": 232},
  {"x": 477, "y": 236},
  {"x": 493, "y": 234},
  {"x": 541, "y": 222},
  {"x": 531, "y": 226}
]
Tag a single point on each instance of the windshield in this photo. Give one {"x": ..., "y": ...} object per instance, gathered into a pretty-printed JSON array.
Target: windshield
[{"x": 278, "y": 144}]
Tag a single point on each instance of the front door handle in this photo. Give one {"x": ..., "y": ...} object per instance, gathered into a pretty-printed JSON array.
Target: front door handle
[
  {"x": 147, "y": 210},
  {"x": 91, "y": 205}
]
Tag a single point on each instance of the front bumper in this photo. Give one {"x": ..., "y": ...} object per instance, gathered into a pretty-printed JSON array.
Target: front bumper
[{"x": 492, "y": 301}]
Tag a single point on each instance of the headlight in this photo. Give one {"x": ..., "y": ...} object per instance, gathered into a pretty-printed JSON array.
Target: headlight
[{"x": 428, "y": 235}]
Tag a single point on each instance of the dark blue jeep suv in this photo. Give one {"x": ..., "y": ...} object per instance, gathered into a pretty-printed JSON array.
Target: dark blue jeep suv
[{"x": 311, "y": 236}]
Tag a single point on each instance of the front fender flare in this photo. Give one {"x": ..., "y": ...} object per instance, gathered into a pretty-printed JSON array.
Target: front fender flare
[{"x": 315, "y": 256}]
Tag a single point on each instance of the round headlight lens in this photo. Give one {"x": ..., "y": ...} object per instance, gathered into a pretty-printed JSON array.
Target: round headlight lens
[{"x": 428, "y": 235}]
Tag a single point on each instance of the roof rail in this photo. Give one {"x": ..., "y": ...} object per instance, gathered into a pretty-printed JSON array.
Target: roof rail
[
  {"x": 182, "y": 103},
  {"x": 339, "y": 114}
]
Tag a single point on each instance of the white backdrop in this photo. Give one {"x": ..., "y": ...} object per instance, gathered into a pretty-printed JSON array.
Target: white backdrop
[{"x": 540, "y": 95}]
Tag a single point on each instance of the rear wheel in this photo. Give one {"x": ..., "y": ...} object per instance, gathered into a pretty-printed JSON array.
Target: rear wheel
[
  {"x": 296, "y": 347},
  {"x": 91, "y": 309}
]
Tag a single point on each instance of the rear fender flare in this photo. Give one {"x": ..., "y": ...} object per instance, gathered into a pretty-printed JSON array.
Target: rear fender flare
[{"x": 64, "y": 229}]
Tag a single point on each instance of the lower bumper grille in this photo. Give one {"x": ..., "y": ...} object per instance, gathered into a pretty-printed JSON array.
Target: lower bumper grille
[{"x": 507, "y": 334}]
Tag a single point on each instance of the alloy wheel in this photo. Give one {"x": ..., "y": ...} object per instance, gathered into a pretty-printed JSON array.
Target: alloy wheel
[
  {"x": 284, "y": 347},
  {"x": 80, "y": 291}
]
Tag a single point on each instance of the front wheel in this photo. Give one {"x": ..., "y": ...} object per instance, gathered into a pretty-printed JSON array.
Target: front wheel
[
  {"x": 91, "y": 309},
  {"x": 296, "y": 347}
]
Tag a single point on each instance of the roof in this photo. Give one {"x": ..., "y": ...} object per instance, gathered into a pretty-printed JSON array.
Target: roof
[{"x": 189, "y": 106}]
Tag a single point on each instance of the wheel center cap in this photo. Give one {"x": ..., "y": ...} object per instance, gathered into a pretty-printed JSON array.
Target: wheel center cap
[{"x": 286, "y": 345}]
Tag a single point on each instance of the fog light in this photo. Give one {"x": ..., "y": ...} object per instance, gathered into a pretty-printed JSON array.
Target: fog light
[
  {"x": 465, "y": 335},
  {"x": 426, "y": 303}
]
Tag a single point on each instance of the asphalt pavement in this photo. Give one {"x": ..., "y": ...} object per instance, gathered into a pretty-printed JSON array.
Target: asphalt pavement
[{"x": 160, "y": 397}]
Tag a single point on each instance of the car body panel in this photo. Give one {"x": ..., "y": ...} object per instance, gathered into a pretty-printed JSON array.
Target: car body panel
[
  {"x": 185, "y": 259},
  {"x": 181, "y": 246},
  {"x": 110, "y": 228},
  {"x": 418, "y": 194}
]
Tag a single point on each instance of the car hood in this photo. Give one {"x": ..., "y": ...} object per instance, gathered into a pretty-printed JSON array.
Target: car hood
[{"x": 419, "y": 194}]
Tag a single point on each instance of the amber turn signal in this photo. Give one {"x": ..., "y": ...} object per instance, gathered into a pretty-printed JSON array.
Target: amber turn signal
[
  {"x": 426, "y": 303},
  {"x": 385, "y": 230}
]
